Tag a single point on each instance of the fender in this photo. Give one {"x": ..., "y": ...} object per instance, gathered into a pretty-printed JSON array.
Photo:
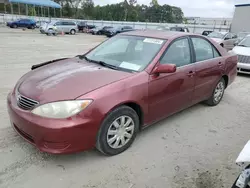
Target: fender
[{"x": 46, "y": 63}]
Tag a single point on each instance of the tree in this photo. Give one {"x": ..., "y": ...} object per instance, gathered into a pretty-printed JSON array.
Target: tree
[
  {"x": 154, "y": 3},
  {"x": 132, "y": 2},
  {"x": 88, "y": 9},
  {"x": 127, "y": 10}
]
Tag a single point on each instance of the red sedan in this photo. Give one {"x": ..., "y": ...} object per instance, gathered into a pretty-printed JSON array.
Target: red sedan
[{"x": 103, "y": 98}]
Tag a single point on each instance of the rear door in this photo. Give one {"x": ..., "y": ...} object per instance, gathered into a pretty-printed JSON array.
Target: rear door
[{"x": 208, "y": 68}]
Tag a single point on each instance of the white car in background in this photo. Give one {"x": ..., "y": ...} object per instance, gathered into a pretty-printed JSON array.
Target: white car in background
[
  {"x": 65, "y": 26},
  {"x": 225, "y": 39},
  {"x": 243, "y": 52}
]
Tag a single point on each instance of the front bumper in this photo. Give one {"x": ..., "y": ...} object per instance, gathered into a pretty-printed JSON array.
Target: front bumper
[
  {"x": 243, "y": 68},
  {"x": 56, "y": 136}
]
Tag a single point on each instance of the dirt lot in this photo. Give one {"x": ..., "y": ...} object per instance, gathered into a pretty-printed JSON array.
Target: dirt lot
[{"x": 195, "y": 148}]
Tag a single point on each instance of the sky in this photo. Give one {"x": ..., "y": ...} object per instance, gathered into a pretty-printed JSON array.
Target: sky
[{"x": 193, "y": 8}]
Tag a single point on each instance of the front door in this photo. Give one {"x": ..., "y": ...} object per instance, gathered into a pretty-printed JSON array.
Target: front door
[
  {"x": 170, "y": 93},
  {"x": 208, "y": 68},
  {"x": 21, "y": 23},
  {"x": 59, "y": 27},
  {"x": 230, "y": 39}
]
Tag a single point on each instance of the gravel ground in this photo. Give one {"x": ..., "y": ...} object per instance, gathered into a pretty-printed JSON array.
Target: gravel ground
[{"x": 195, "y": 148}]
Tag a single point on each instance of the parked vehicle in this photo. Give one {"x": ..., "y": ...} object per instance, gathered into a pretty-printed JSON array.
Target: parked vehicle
[
  {"x": 23, "y": 23},
  {"x": 206, "y": 33},
  {"x": 106, "y": 30},
  {"x": 95, "y": 30},
  {"x": 163, "y": 28},
  {"x": 180, "y": 29},
  {"x": 240, "y": 36},
  {"x": 104, "y": 97},
  {"x": 243, "y": 160},
  {"x": 103, "y": 30},
  {"x": 40, "y": 23},
  {"x": 243, "y": 52},
  {"x": 225, "y": 39},
  {"x": 68, "y": 27},
  {"x": 114, "y": 31},
  {"x": 82, "y": 26}
]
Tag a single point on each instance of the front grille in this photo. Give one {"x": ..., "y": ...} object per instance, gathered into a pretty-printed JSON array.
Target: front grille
[
  {"x": 244, "y": 59},
  {"x": 25, "y": 102}
]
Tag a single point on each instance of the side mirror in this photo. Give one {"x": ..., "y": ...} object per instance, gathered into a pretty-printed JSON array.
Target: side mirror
[
  {"x": 226, "y": 38},
  {"x": 164, "y": 68}
]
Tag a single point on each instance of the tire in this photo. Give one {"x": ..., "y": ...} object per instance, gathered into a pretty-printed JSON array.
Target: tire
[
  {"x": 32, "y": 27},
  {"x": 15, "y": 26},
  {"x": 108, "y": 131},
  {"x": 218, "y": 93},
  {"x": 72, "y": 31}
]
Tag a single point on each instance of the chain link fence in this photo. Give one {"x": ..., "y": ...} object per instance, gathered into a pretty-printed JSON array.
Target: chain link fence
[{"x": 194, "y": 28}]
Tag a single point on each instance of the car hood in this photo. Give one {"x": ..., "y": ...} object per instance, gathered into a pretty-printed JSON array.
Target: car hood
[
  {"x": 217, "y": 40},
  {"x": 66, "y": 80},
  {"x": 240, "y": 50}
]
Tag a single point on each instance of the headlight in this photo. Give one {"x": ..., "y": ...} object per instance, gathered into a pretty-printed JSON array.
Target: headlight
[{"x": 61, "y": 109}]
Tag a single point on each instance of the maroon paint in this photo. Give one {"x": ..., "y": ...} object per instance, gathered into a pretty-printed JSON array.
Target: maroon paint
[{"x": 158, "y": 95}]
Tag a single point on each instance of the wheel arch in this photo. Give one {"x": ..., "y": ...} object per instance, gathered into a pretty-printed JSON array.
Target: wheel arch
[
  {"x": 225, "y": 77},
  {"x": 135, "y": 106}
]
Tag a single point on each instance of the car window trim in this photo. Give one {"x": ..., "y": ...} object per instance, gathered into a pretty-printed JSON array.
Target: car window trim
[
  {"x": 211, "y": 44},
  {"x": 189, "y": 44}
]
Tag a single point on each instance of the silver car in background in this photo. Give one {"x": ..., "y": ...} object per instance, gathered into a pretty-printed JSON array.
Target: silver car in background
[
  {"x": 60, "y": 26},
  {"x": 225, "y": 39},
  {"x": 243, "y": 52}
]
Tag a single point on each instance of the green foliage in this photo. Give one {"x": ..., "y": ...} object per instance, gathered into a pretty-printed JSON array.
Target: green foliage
[{"x": 127, "y": 10}]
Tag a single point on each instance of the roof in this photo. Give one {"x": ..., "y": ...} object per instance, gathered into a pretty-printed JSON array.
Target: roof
[
  {"x": 157, "y": 34},
  {"x": 223, "y": 32},
  {"x": 45, "y": 3}
]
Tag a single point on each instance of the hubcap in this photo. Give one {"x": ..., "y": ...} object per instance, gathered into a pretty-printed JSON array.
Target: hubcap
[
  {"x": 120, "y": 132},
  {"x": 218, "y": 92}
]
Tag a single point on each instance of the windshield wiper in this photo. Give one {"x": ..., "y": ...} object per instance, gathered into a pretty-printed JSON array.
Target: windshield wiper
[{"x": 102, "y": 63}]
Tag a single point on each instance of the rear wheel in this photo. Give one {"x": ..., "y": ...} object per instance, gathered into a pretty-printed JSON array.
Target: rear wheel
[
  {"x": 118, "y": 131},
  {"x": 217, "y": 93},
  {"x": 15, "y": 26}
]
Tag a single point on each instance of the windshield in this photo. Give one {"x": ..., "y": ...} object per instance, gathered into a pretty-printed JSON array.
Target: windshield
[
  {"x": 242, "y": 35},
  {"x": 133, "y": 53},
  {"x": 245, "y": 42},
  {"x": 216, "y": 35}
]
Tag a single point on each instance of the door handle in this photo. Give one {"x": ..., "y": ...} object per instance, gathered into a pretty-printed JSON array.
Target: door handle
[
  {"x": 191, "y": 73},
  {"x": 220, "y": 64}
]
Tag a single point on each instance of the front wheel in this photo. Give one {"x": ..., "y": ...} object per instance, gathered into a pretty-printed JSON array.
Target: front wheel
[
  {"x": 217, "y": 93},
  {"x": 72, "y": 32},
  {"x": 118, "y": 131}
]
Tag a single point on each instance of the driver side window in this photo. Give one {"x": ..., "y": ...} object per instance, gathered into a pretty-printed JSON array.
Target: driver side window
[{"x": 177, "y": 53}]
